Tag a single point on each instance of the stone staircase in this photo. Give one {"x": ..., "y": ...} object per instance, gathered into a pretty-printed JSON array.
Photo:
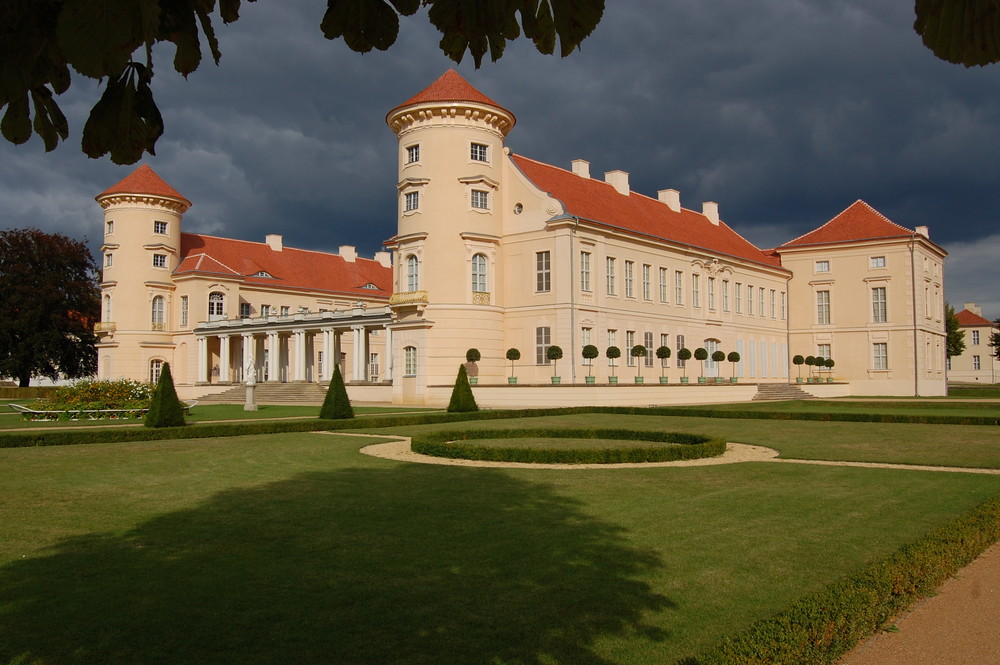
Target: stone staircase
[
  {"x": 305, "y": 394},
  {"x": 776, "y": 391}
]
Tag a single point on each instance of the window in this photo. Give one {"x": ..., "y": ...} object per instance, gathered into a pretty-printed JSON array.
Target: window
[
  {"x": 784, "y": 306},
  {"x": 749, "y": 299},
  {"x": 412, "y": 201},
  {"x": 725, "y": 295},
  {"x": 157, "y": 313},
  {"x": 696, "y": 290},
  {"x": 880, "y": 355},
  {"x": 265, "y": 310},
  {"x": 412, "y": 273},
  {"x": 646, "y": 289},
  {"x": 630, "y": 279},
  {"x": 585, "y": 336},
  {"x": 711, "y": 293},
  {"x": 479, "y": 273},
  {"x": 413, "y": 153},
  {"x": 822, "y": 266},
  {"x": 629, "y": 343},
  {"x": 663, "y": 285},
  {"x": 410, "y": 365},
  {"x": 610, "y": 269},
  {"x": 543, "y": 340},
  {"x": 975, "y": 338},
  {"x": 773, "y": 303},
  {"x": 160, "y": 228},
  {"x": 107, "y": 308},
  {"x": 976, "y": 363},
  {"x": 612, "y": 336},
  {"x": 823, "y": 307},
  {"x": 155, "y": 368},
  {"x": 184, "y": 311},
  {"x": 480, "y": 199},
  {"x": 285, "y": 310},
  {"x": 109, "y": 227},
  {"x": 216, "y": 305},
  {"x": 543, "y": 272},
  {"x": 479, "y": 152},
  {"x": 647, "y": 341},
  {"x": 680, "y": 345},
  {"x": 244, "y": 310},
  {"x": 760, "y": 301},
  {"x": 108, "y": 260},
  {"x": 585, "y": 271},
  {"x": 823, "y": 351},
  {"x": 879, "y": 314},
  {"x": 877, "y": 262},
  {"x": 263, "y": 273},
  {"x": 664, "y": 341},
  {"x": 159, "y": 260},
  {"x": 678, "y": 287},
  {"x": 738, "y": 292}
]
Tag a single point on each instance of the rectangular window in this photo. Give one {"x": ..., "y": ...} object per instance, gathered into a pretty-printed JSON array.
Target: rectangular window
[
  {"x": 543, "y": 272},
  {"x": 663, "y": 285},
  {"x": 784, "y": 306},
  {"x": 879, "y": 313},
  {"x": 750, "y": 299},
  {"x": 159, "y": 260},
  {"x": 975, "y": 338},
  {"x": 760, "y": 302},
  {"x": 610, "y": 269},
  {"x": 678, "y": 287},
  {"x": 612, "y": 336},
  {"x": 822, "y": 350},
  {"x": 725, "y": 295},
  {"x": 696, "y": 290},
  {"x": 823, "y": 307},
  {"x": 244, "y": 310},
  {"x": 184, "y": 311},
  {"x": 877, "y": 262},
  {"x": 412, "y": 201},
  {"x": 822, "y": 266},
  {"x": 413, "y": 154},
  {"x": 711, "y": 293},
  {"x": 160, "y": 228},
  {"x": 630, "y": 279},
  {"x": 108, "y": 260},
  {"x": 738, "y": 292},
  {"x": 585, "y": 271},
  {"x": 976, "y": 363},
  {"x": 585, "y": 337},
  {"x": 664, "y": 341},
  {"x": 647, "y": 341},
  {"x": 109, "y": 227},
  {"x": 480, "y": 199},
  {"x": 284, "y": 310},
  {"x": 773, "y": 303},
  {"x": 265, "y": 310},
  {"x": 646, "y": 288},
  {"x": 629, "y": 343},
  {"x": 680, "y": 345},
  {"x": 543, "y": 340},
  {"x": 411, "y": 361},
  {"x": 880, "y": 355},
  {"x": 479, "y": 152}
]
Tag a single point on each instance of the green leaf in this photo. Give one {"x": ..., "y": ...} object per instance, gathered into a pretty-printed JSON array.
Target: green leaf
[
  {"x": 125, "y": 122},
  {"x": 184, "y": 35},
  {"x": 965, "y": 32},
  {"x": 364, "y": 24},
  {"x": 50, "y": 123},
  {"x": 16, "y": 123},
  {"x": 99, "y": 36}
]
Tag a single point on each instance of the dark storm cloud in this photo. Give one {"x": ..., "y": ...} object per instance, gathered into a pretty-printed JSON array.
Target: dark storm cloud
[{"x": 783, "y": 112}]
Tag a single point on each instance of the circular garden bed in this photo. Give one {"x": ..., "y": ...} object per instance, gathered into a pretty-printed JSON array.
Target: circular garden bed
[{"x": 568, "y": 446}]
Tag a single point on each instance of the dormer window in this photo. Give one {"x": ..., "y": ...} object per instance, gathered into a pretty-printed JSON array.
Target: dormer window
[
  {"x": 263, "y": 273},
  {"x": 369, "y": 285}
]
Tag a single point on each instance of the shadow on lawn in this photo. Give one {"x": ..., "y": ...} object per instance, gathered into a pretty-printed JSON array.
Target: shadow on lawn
[{"x": 409, "y": 565}]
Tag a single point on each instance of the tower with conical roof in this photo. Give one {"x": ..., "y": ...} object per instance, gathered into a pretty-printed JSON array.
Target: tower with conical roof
[
  {"x": 141, "y": 248},
  {"x": 447, "y": 268}
]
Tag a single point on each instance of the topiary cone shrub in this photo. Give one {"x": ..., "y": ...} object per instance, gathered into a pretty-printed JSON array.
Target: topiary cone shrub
[
  {"x": 165, "y": 410},
  {"x": 462, "y": 399},
  {"x": 336, "y": 405}
]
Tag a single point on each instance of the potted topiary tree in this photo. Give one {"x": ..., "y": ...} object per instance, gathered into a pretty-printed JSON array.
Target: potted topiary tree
[
  {"x": 718, "y": 357},
  {"x": 829, "y": 365},
  {"x": 684, "y": 355},
  {"x": 701, "y": 355},
  {"x": 512, "y": 355},
  {"x": 589, "y": 353},
  {"x": 472, "y": 356},
  {"x": 733, "y": 357},
  {"x": 798, "y": 361},
  {"x": 554, "y": 353},
  {"x": 810, "y": 363},
  {"x": 613, "y": 353},
  {"x": 638, "y": 352},
  {"x": 663, "y": 352}
]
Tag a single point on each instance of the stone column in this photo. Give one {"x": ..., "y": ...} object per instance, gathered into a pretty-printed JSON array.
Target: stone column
[
  {"x": 387, "y": 363},
  {"x": 249, "y": 353},
  {"x": 202, "y": 360},
  {"x": 359, "y": 369},
  {"x": 225, "y": 361},
  {"x": 273, "y": 357},
  {"x": 299, "y": 362},
  {"x": 328, "y": 358}
]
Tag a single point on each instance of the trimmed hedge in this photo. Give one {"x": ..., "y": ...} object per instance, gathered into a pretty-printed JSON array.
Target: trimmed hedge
[
  {"x": 820, "y": 628},
  {"x": 31, "y": 392},
  {"x": 680, "y": 446}
]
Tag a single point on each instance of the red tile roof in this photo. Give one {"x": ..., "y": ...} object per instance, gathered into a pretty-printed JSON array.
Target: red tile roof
[
  {"x": 289, "y": 269},
  {"x": 967, "y": 318},
  {"x": 859, "y": 221},
  {"x": 144, "y": 181},
  {"x": 450, "y": 87},
  {"x": 600, "y": 202}
]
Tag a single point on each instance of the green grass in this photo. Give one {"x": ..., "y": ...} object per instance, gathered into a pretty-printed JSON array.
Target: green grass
[
  {"x": 294, "y": 548},
  {"x": 922, "y": 407}
]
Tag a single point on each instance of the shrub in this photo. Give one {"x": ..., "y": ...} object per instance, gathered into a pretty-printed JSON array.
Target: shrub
[
  {"x": 473, "y": 356},
  {"x": 336, "y": 404},
  {"x": 590, "y": 352},
  {"x": 462, "y": 399},
  {"x": 512, "y": 355},
  {"x": 718, "y": 356},
  {"x": 92, "y": 394},
  {"x": 684, "y": 355},
  {"x": 165, "y": 410},
  {"x": 613, "y": 353},
  {"x": 554, "y": 353}
]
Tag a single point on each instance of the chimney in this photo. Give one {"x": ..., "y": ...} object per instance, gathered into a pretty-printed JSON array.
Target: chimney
[
  {"x": 671, "y": 197},
  {"x": 384, "y": 259},
  {"x": 348, "y": 253},
  {"x": 974, "y": 308},
  {"x": 618, "y": 180},
  {"x": 273, "y": 241},
  {"x": 711, "y": 210},
  {"x": 923, "y": 231},
  {"x": 581, "y": 167}
]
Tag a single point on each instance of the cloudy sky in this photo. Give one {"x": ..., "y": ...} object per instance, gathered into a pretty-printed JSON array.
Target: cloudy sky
[{"x": 783, "y": 111}]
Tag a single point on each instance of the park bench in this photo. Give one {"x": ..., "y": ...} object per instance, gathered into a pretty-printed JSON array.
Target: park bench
[{"x": 28, "y": 413}]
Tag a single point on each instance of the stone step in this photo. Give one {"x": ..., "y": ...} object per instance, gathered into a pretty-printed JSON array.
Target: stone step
[
  {"x": 272, "y": 393},
  {"x": 780, "y": 391}
]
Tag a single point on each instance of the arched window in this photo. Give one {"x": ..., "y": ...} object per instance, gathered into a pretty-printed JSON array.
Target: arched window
[
  {"x": 157, "y": 313},
  {"x": 107, "y": 308},
  {"x": 410, "y": 354},
  {"x": 479, "y": 273},
  {"x": 412, "y": 273},
  {"x": 216, "y": 306},
  {"x": 155, "y": 367}
]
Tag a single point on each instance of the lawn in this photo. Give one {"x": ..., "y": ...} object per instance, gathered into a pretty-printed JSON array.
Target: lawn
[
  {"x": 295, "y": 548},
  {"x": 920, "y": 408}
]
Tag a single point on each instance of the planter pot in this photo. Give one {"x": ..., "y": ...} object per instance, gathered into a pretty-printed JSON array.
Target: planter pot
[
  {"x": 719, "y": 379},
  {"x": 829, "y": 379},
  {"x": 511, "y": 380},
  {"x": 612, "y": 380},
  {"x": 798, "y": 379},
  {"x": 473, "y": 380},
  {"x": 685, "y": 379},
  {"x": 556, "y": 380},
  {"x": 591, "y": 380},
  {"x": 638, "y": 379},
  {"x": 701, "y": 379},
  {"x": 733, "y": 379},
  {"x": 664, "y": 379}
]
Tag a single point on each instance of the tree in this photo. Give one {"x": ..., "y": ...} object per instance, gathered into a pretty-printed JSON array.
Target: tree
[
  {"x": 995, "y": 338},
  {"x": 50, "y": 301},
  {"x": 590, "y": 352},
  {"x": 473, "y": 356},
  {"x": 733, "y": 357},
  {"x": 963, "y": 32},
  {"x": 165, "y": 410},
  {"x": 554, "y": 353},
  {"x": 701, "y": 355},
  {"x": 662, "y": 352},
  {"x": 638, "y": 351},
  {"x": 462, "y": 399},
  {"x": 512, "y": 355},
  {"x": 336, "y": 404},
  {"x": 955, "y": 341},
  {"x": 613, "y": 353},
  {"x": 43, "y": 42},
  {"x": 684, "y": 355},
  {"x": 798, "y": 361}
]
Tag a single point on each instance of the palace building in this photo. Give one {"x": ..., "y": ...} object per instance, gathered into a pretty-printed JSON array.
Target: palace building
[{"x": 495, "y": 250}]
